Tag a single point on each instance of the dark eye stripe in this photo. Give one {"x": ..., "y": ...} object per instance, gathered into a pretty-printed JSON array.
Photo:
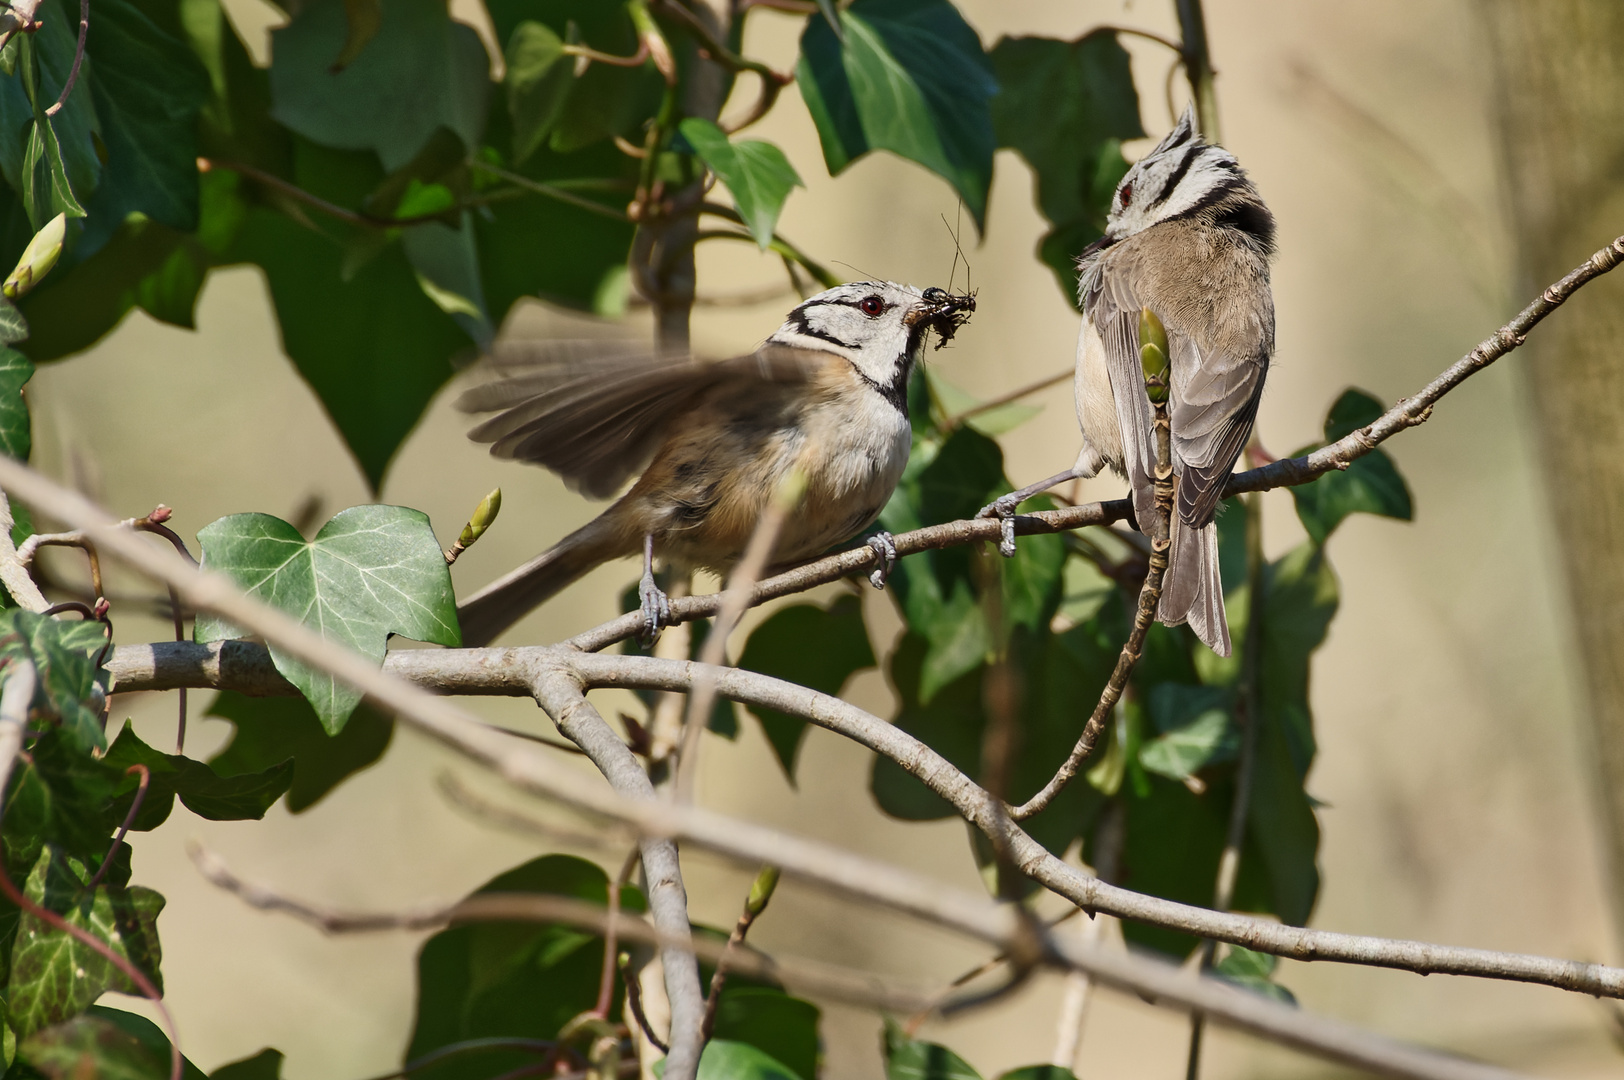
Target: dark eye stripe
[{"x": 1179, "y": 172}]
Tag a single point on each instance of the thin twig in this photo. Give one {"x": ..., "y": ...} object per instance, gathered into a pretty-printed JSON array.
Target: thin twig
[
  {"x": 364, "y": 220},
  {"x": 124, "y": 826},
  {"x": 1134, "y": 31},
  {"x": 1150, "y": 595},
  {"x": 868, "y": 879},
  {"x": 1251, "y": 716},
  {"x": 78, "y": 59},
  {"x": 761, "y": 891},
  {"x": 844, "y": 984},
  {"x": 551, "y": 191},
  {"x": 772, "y": 81},
  {"x": 1006, "y": 399}
]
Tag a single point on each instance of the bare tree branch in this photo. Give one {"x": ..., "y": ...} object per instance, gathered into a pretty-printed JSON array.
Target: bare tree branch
[
  {"x": 580, "y": 722},
  {"x": 247, "y": 668},
  {"x": 528, "y": 769}
]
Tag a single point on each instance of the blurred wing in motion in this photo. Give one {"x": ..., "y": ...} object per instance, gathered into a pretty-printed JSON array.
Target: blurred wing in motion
[{"x": 595, "y": 412}]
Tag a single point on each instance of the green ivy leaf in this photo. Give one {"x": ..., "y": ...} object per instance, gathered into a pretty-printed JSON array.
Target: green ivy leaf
[
  {"x": 1039, "y": 1072},
  {"x": 54, "y": 976},
  {"x": 524, "y": 980},
  {"x": 371, "y": 571},
  {"x": 13, "y": 327},
  {"x": 46, "y": 160},
  {"x": 15, "y": 428},
  {"x": 421, "y": 72},
  {"x": 908, "y": 76},
  {"x": 148, "y": 88},
  {"x": 104, "y": 1044},
  {"x": 371, "y": 345},
  {"x": 62, "y": 796},
  {"x": 782, "y": 1028},
  {"x": 207, "y": 794},
  {"x": 1184, "y": 751},
  {"x": 539, "y": 77},
  {"x": 270, "y": 731},
  {"x": 362, "y": 21},
  {"x": 1370, "y": 484},
  {"x": 724, "y": 1059},
  {"x": 1253, "y": 971},
  {"x": 510, "y": 232},
  {"x": 818, "y": 648},
  {"x": 756, "y": 172},
  {"x": 1300, "y": 599},
  {"x": 912, "y": 1059},
  {"x": 64, "y": 657},
  {"x": 1066, "y": 107},
  {"x": 606, "y": 100}
]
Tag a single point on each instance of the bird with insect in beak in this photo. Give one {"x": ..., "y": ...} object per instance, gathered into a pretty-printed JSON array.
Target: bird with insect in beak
[
  {"x": 825, "y": 398},
  {"x": 1190, "y": 239}
]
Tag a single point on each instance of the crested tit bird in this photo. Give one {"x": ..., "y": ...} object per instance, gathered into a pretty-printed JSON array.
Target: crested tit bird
[
  {"x": 826, "y": 394},
  {"x": 1188, "y": 237}
]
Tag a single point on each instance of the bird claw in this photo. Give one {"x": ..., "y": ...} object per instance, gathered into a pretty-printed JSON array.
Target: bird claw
[
  {"x": 885, "y": 549},
  {"x": 656, "y": 609},
  {"x": 1003, "y": 508}
]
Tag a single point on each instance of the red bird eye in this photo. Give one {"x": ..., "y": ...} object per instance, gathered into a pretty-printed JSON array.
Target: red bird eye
[
  {"x": 872, "y": 306},
  {"x": 1127, "y": 193}
]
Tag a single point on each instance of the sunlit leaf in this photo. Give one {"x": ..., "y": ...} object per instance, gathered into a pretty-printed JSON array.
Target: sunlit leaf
[
  {"x": 756, "y": 172},
  {"x": 54, "y": 975},
  {"x": 422, "y": 71},
  {"x": 104, "y": 1044},
  {"x": 15, "y": 428},
  {"x": 539, "y": 77},
  {"x": 371, "y": 571},
  {"x": 1253, "y": 971},
  {"x": 908, "y": 76},
  {"x": 913, "y": 1059}
]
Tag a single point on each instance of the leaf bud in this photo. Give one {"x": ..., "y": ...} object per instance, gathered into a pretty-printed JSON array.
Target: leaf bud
[{"x": 38, "y": 258}]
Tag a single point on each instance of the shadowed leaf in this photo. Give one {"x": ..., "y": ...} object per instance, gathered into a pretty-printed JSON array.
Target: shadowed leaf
[
  {"x": 273, "y": 730},
  {"x": 1370, "y": 484},
  {"x": 818, "y": 648},
  {"x": 206, "y": 793}
]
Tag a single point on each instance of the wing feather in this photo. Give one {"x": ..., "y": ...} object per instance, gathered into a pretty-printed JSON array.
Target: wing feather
[{"x": 596, "y": 412}]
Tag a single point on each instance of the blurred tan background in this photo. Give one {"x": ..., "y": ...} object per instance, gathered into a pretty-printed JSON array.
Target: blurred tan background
[{"x": 1453, "y": 766}]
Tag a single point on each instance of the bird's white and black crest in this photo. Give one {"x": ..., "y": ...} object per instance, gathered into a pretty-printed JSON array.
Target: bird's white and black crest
[{"x": 1186, "y": 178}]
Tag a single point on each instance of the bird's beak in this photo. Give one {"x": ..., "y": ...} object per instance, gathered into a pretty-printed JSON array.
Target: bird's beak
[{"x": 943, "y": 312}]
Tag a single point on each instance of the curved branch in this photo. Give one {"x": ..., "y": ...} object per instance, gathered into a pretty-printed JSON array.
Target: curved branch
[
  {"x": 561, "y": 697},
  {"x": 247, "y": 668}
]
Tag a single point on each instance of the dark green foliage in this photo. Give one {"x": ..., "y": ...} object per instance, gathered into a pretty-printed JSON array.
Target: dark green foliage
[
  {"x": 53, "y": 975},
  {"x": 510, "y": 979},
  {"x": 782, "y": 1027},
  {"x": 1254, "y": 971},
  {"x": 818, "y": 648},
  {"x": 244, "y": 797},
  {"x": 16, "y": 432},
  {"x": 911, "y": 1059},
  {"x": 908, "y": 76},
  {"x": 278, "y": 730},
  {"x": 109, "y": 1044},
  {"x": 1066, "y": 108},
  {"x": 265, "y": 1065},
  {"x": 1370, "y": 484}
]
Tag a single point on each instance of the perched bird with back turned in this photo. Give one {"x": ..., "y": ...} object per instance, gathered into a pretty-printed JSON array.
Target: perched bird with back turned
[
  {"x": 1188, "y": 237},
  {"x": 826, "y": 395}
]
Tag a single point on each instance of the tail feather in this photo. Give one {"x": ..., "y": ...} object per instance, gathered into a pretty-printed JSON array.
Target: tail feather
[
  {"x": 514, "y": 595},
  {"x": 1192, "y": 590}
]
